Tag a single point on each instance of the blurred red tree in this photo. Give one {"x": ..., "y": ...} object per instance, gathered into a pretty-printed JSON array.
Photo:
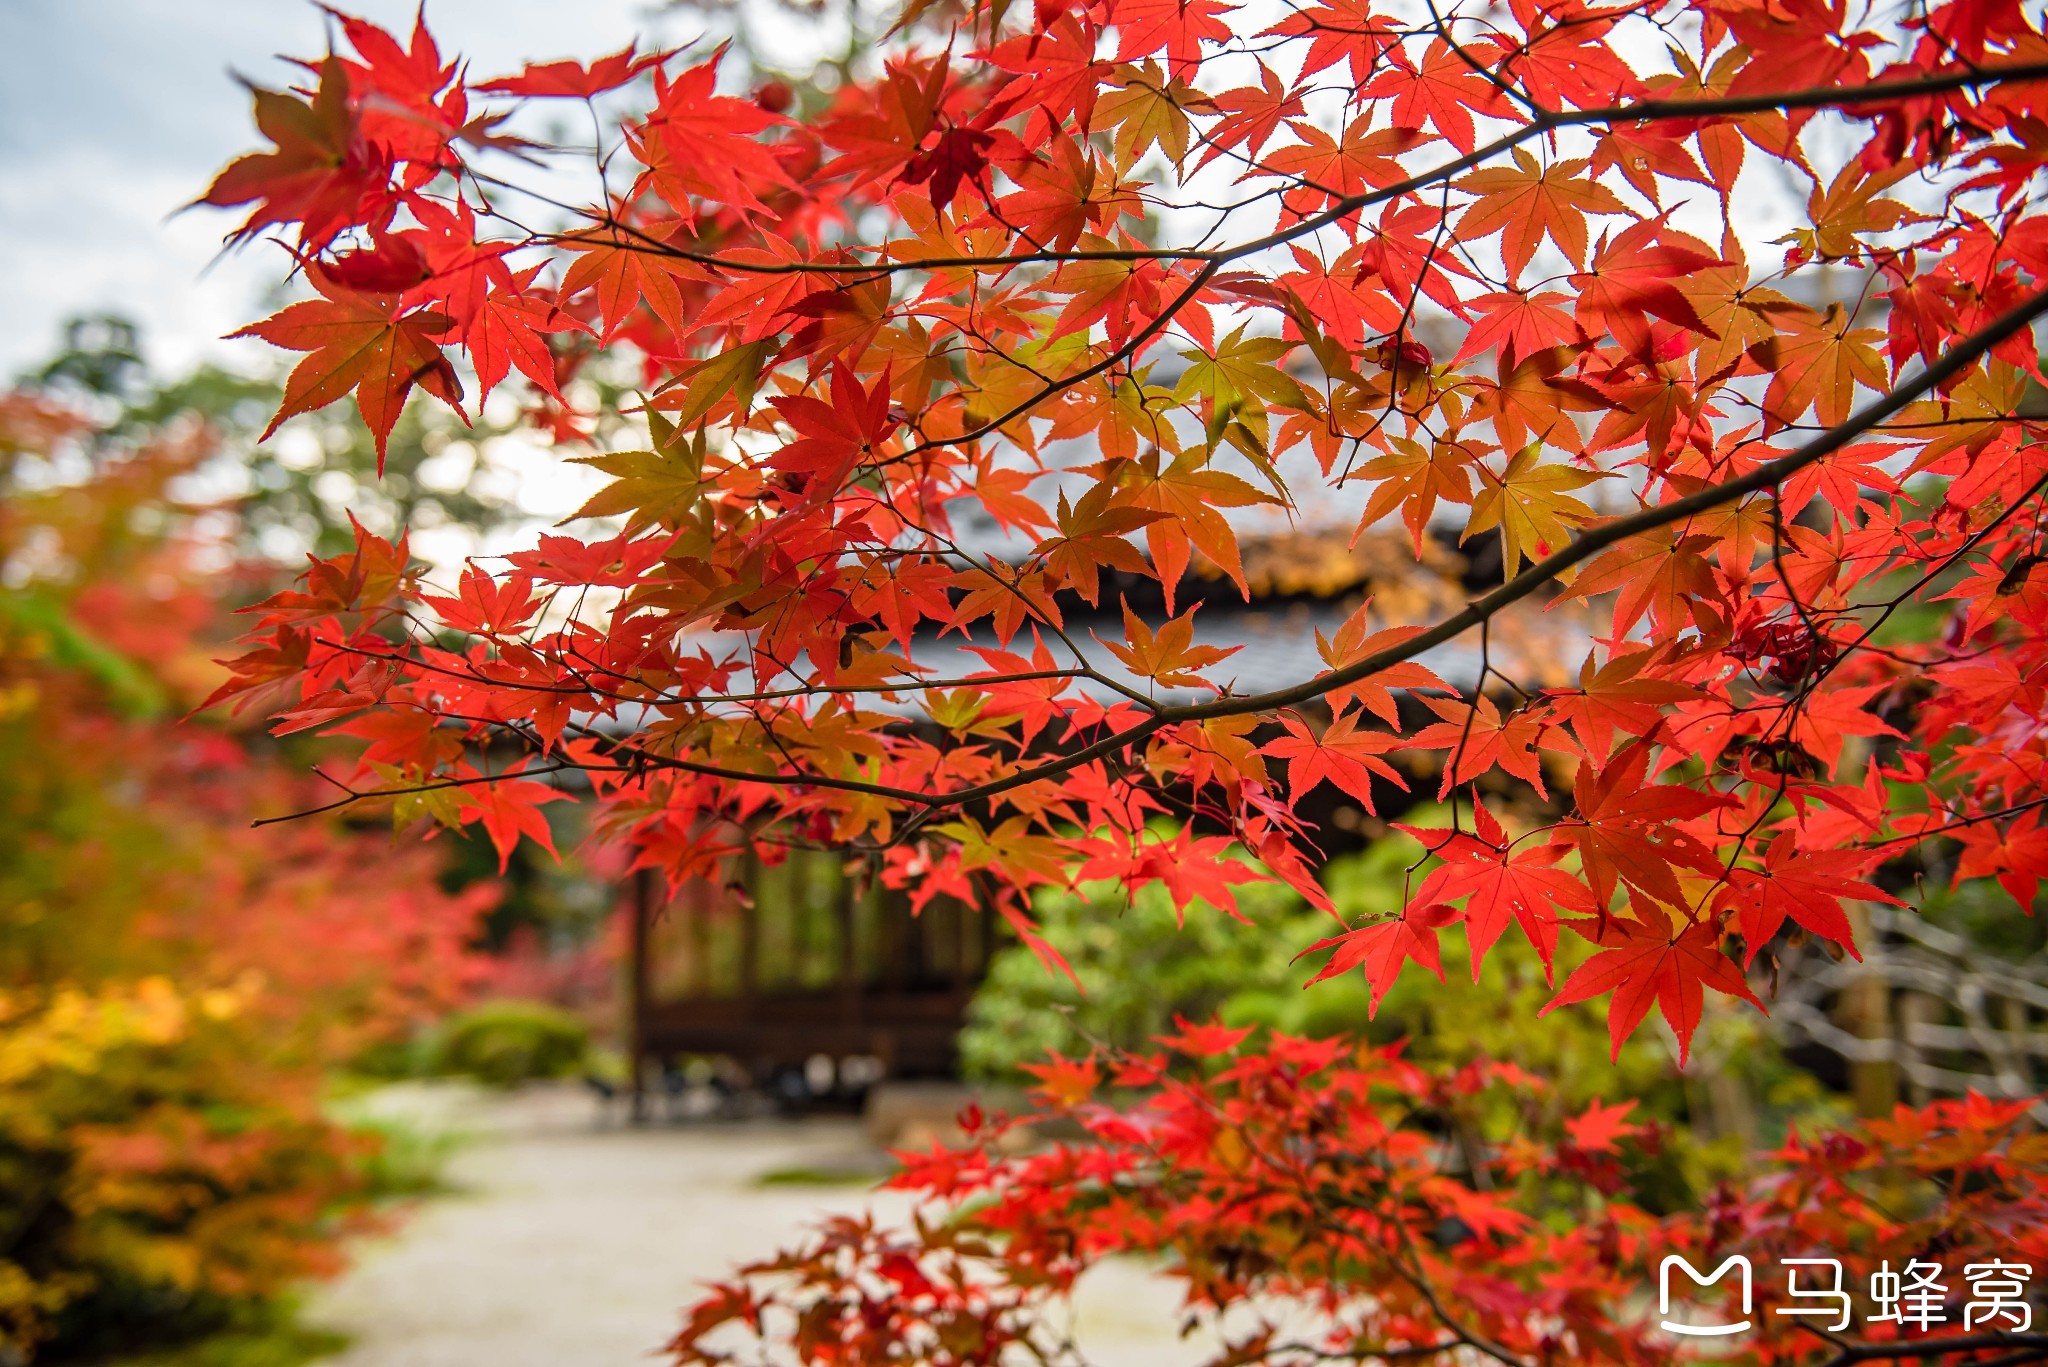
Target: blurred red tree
[{"x": 175, "y": 983}]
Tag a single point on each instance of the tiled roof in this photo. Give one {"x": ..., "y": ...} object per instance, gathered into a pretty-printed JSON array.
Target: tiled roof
[{"x": 1275, "y": 647}]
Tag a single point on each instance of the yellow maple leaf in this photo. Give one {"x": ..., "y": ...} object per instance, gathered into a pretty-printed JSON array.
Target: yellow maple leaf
[{"x": 1532, "y": 505}]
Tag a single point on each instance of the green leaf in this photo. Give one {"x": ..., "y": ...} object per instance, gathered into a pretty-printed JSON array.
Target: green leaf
[
  {"x": 700, "y": 388},
  {"x": 649, "y": 487}
]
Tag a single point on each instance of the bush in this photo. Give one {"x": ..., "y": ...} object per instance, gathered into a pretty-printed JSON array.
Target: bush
[
  {"x": 176, "y": 982},
  {"x": 155, "y": 1178},
  {"x": 1139, "y": 968},
  {"x": 504, "y": 1043},
  {"x": 263, "y": 1335}
]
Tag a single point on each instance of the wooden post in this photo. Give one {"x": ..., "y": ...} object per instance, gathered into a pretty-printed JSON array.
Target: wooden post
[
  {"x": 752, "y": 910},
  {"x": 702, "y": 906},
  {"x": 847, "y": 908},
  {"x": 750, "y": 931},
  {"x": 1866, "y": 1011},
  {"x": 639, "y": 978},
  {"x": 963, "y": 939}
]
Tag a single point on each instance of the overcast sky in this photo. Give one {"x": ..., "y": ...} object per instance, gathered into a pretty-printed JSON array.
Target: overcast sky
[{"x": 113, "y": 113}]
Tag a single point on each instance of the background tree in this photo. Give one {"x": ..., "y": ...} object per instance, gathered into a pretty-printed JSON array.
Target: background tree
[
  {"x": 177, "y": 985},
  {"x": 1716, "y": 318},
  {"x": 264, "y": 508}
]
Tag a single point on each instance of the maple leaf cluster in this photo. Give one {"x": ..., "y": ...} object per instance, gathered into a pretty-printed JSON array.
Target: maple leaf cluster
[
  {"x": 1318, "y": 1202},
  {"x": 1051, "y": 299}
]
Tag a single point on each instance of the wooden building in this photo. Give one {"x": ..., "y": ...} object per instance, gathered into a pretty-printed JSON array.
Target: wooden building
[{"x": 803, "y": 966}]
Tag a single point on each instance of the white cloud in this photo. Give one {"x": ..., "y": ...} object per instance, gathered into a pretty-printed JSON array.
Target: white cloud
[{"x": 113, "y": 113}]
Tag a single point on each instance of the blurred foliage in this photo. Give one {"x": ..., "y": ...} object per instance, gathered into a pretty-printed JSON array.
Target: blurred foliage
[
  {"x": 1137, "y": 966},
  {"x": 295, "y": 493},
  {"x": 175, "y": 983},
  {"x": 264, "y": 1335},
  {"x": 101, "y": 354},
  {"x": 155, "y": 1167},
  {"x": 548, "y": 904},
  {"x": 1139, "y": 969},
  {"x": 403, "y": 1161},
  {"x": 504, "y": 1043},
  {"x": 265, "y": 506},
  {"x": 1982, "y": 912}
]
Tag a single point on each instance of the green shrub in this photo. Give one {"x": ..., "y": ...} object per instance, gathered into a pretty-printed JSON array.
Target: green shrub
[
  {"x": 1139, "y": 968},
  {"x": 504, "y": 1043},
  {"x": 399, "y": 1057},
  {"x": 405, "y": 1159},
  {"x": 262, "y": 1335}
]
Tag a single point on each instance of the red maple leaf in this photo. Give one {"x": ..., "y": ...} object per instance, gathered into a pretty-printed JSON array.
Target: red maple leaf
[
  {"x": 1061, "y": 72},
  {"x": 698, "y": 143},
  {"x": 509, "y": 809},
  {"x": 832, "y": 438},
  {"x": 486, "y": 605},
  {"x": 1626, "y": 832},
  {"x": 508, "y": 330},
  {"x": 1616, "y": 697},
  {"x": 1643, "y": 965},
  {"x": 1383, "y": 948},
  {"x": 1342, "y": 755},
  {"x": 1600, "y": 1128},
  {"x": 1251, "y": 116},
  {"x": 363, "y": 343},
  {"x": 1480, "y": 738},
  {"x": 323, "y": 174},
  {"x": 1446, "y": 90},
  {"x": 1503, "y": 883},
  {"x": 2016, "y": 853},
  {"x": 1807, "y": 886},
  {"x": 575, "y": 80}
]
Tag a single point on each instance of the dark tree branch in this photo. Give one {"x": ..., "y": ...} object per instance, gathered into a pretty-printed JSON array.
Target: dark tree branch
[
  {"x": 1480, "y": 610},
  {"x": 1545, "y": 121}
]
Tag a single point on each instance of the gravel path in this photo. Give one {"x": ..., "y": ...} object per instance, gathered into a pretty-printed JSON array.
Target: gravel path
[{"x": 565, "y": 1244}]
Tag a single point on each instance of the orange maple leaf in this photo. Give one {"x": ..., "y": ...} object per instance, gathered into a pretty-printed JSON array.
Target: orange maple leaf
[
  {"x": 360, "y": 342},
  {"x": 1643, "y": 966},
  {"x": 1528, "y": 200}
]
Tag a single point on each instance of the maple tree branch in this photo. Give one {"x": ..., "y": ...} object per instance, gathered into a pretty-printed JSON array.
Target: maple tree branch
[
  {"x": 1642, "y": 111},
  {"x": 1130, "y": 348},
  {"x": 658, "y": 697},
  {"x": 1591, "y": 542},
  {"x": 1583, "y": 547},
  {"x": 653, "y": 759},
  {"x": 1419, "y": 1280},
  {"x": 1958, "y": 824},
  {"x": 1948, "y": 562},
  {"x": 1476, "y": 613},
  {"x": 473, "y": 781},
  {"x": 1544, "y": 121}
]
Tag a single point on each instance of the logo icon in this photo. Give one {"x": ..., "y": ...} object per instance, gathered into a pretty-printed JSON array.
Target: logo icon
[{"x": 1736, "y": 1261}]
